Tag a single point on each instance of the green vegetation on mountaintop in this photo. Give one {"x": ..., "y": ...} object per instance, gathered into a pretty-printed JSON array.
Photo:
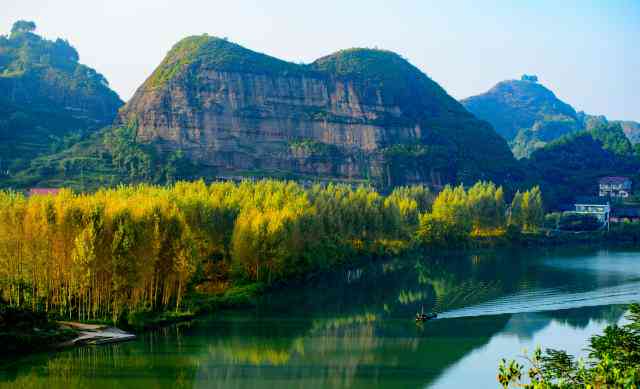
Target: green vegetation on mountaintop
[
  {"x": 528, "y": 115},
  {"x": 525, "y": 113},
  {"x": 404, "y": 84},
  {"x": 220, "y": 54}
]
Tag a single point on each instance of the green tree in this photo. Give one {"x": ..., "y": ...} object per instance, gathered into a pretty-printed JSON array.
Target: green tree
[
  {"x": 532, "y": 209},
  {"x": 22, "y": 26},
  {"x": 516, "y": 217},
  {"x": 614, "y": 362}
]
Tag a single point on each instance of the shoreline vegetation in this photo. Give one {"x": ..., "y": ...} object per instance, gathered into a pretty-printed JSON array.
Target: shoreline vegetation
[
  {"x": 144, "y": 256},
  {"x": 613, "y": 362}
]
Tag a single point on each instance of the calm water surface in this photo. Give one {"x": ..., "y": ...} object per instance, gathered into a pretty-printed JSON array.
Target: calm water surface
[{"x": 356, "y": 329}]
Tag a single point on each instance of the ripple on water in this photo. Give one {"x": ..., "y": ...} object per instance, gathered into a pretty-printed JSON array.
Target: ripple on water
[{"x": 550, "y": 300}]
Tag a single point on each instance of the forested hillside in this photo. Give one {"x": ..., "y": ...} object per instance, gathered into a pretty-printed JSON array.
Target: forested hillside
[
  {"x": 571, "y": 165},
  {"x": 48, "y": 100}
]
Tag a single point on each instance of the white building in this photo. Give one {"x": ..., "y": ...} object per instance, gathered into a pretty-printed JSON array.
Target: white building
[{"x": 614, "y": 187}]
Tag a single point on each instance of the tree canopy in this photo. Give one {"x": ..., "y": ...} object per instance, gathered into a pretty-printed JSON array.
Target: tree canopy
[{"x": 22, "y": 26}]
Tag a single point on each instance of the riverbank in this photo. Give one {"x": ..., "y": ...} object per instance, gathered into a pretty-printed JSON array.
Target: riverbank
[{"x": 621, "y": 234}]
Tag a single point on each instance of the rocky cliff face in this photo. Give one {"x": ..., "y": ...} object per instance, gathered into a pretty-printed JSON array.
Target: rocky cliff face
[{"x": 355, "y": 115}]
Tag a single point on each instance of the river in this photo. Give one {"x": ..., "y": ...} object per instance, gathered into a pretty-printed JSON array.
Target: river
[{"x": 355, "y": 328}]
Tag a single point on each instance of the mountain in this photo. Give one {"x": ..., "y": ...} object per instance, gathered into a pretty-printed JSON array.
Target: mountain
[
  {"x": 355, "y": 115},
  {"x": 525, "y": 113},
  {"x": 47, "y": 98},
  {"x": 631, "y": 130},
  {"x": 528, "y": 115}
]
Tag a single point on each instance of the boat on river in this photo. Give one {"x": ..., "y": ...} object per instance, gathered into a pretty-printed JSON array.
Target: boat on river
[{"x": 422, "y": 316}]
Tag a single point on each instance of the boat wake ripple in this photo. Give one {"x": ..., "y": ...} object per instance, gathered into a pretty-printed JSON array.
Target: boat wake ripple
[{"x": 550, "y": 300}]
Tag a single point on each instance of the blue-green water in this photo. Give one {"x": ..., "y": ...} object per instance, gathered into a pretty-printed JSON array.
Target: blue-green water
[{"x": 355, "y": 328}]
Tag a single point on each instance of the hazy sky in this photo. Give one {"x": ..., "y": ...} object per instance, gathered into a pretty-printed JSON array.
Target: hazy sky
[{"x": 587, "y": 52}]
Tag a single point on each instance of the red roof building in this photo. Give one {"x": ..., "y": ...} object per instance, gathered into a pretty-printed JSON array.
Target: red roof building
[{"x": 43, "y": 192}]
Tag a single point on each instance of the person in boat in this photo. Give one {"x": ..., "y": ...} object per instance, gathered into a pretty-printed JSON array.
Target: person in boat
[{"x": 421, "y": 316}]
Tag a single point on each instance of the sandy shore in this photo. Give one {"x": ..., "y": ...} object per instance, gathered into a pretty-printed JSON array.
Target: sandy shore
[{"x": 95, "y": 334}]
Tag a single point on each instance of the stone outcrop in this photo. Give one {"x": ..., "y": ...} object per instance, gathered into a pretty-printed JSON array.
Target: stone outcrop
[{"x": 356, "y": 115}]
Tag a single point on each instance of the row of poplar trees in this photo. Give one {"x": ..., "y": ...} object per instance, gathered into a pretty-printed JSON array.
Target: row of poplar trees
[{"x": 144, "y": 248}]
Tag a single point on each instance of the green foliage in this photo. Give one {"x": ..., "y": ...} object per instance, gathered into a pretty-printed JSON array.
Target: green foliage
[
  {"x": 552, "y": 220},
  {"x": 22, "y": 26},
  {"x": 543, "y": 131},
  {"x": 128, "y": 156},
  {"x": 526, "y": 110},
  {"x": 313, "y": 147},
  {"x": 140, "y": 249},
  {"x": 438, "y": 232},
  {"x": 532, "y": 209},
  {"x": 576, "y": 222},
  {"x": 128, "y": 253},
  {"x": 614, "y": 361},
  {"x": 219, "y": 54},
  {"x": 610, "y": 136},
  {"x": 400, "y": 82},
  {"x": 47, "y": 99},
  {"x": 22, "y": 329},
  {"x": 613, "y": 139},
  {"x": 458, "y": 215},
  {"x": 573, "y": 164},
  {"x": 526, "y": 210},
  {"x": 406, "y": 150},
  {"x": 180, "y": 56},
  {"x": 109, "y": 157}
]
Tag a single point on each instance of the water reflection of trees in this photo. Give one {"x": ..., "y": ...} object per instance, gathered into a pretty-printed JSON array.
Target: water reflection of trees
[
  {"x": 351, "y": 329},
  {"x": 133, "y": 364},
  {"x": 359, "y": 330}
]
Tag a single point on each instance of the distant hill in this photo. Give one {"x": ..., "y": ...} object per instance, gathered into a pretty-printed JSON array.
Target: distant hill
[
  {"x": 48, "y": 99},
  {"x": 528, "y": 115}
]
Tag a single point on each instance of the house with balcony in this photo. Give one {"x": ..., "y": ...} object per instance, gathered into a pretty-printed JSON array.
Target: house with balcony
[{"x": 614, "y": 187}]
